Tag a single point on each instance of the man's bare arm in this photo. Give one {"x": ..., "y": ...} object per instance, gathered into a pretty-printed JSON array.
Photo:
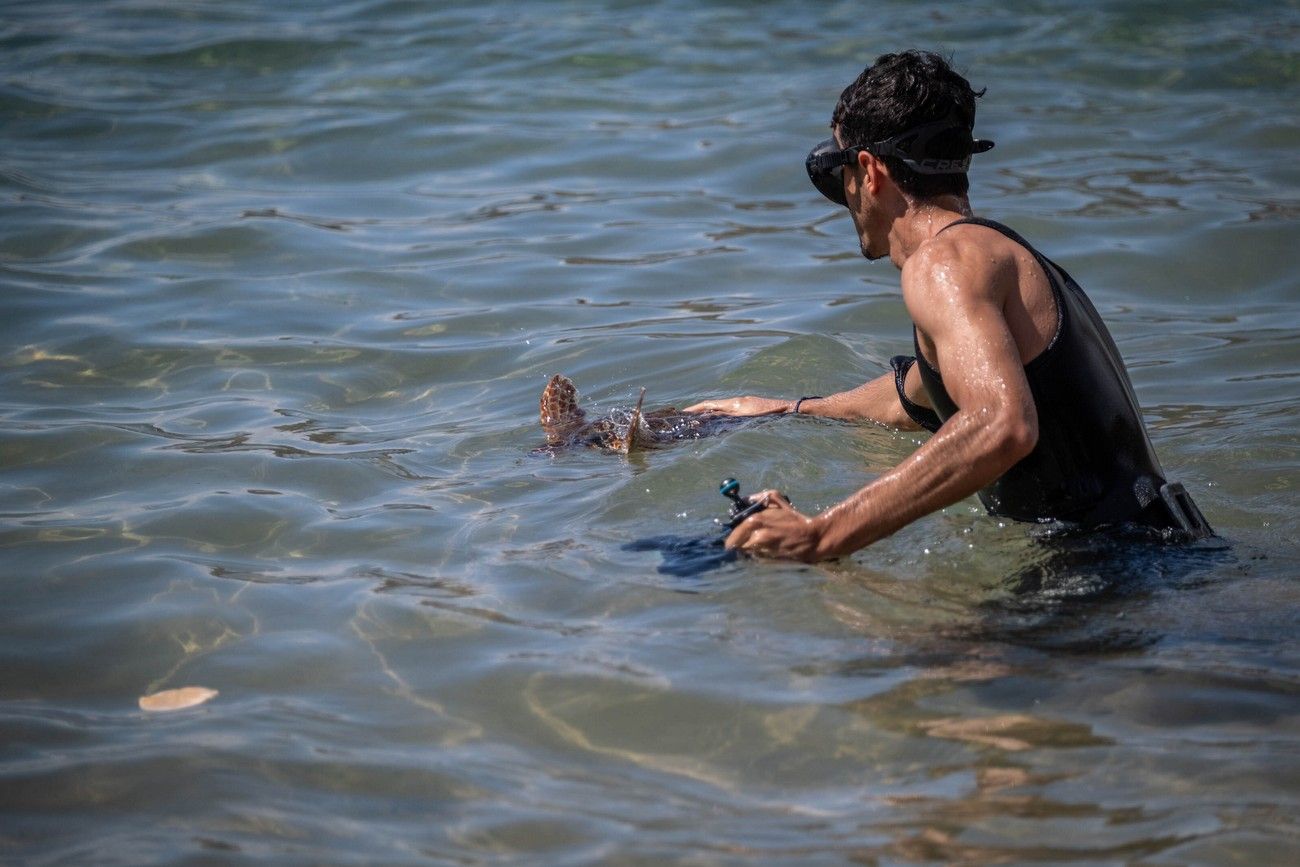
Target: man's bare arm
[
  {"x": 875, "y": 401},
  {"x": 958, "y": 306}
]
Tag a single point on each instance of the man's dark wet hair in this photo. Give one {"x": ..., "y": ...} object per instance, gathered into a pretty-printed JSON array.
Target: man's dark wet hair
[{"x": 902, "y": 91}]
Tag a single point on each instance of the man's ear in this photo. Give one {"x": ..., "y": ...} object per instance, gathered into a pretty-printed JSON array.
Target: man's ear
[{"x": 875, "y": 171}]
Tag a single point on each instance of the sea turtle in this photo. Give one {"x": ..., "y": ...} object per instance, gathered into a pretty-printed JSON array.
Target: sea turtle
[{"x": 619, "y": 430}]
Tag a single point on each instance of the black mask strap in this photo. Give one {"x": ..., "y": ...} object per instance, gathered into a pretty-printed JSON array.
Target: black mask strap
[{"x": 911, "y": 147}]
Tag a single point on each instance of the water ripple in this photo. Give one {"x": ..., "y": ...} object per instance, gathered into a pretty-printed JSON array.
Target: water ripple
[{"x": 283, "y": 286}]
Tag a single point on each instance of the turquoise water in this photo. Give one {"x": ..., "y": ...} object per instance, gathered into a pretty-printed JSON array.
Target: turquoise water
[{"x": 282, "y": 284}]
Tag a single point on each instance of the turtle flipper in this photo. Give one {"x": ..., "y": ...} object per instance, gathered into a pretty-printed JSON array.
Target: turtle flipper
[
  {"x": 633, "y": 426},
  {"x": 559, "y": 410}
]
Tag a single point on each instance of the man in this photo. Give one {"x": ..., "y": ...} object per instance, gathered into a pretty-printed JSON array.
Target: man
[{"x": 1014, "y": 371}]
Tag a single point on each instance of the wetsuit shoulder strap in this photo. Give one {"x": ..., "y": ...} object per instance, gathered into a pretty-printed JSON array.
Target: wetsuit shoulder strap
[
  {"x": 1056, "y": 275},
  {"x": 989, "y": 224}
]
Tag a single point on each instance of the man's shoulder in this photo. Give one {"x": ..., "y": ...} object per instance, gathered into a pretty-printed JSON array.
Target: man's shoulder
[
  {"x": 982, "y": 240},
  {"x": 967, "y": 259}
]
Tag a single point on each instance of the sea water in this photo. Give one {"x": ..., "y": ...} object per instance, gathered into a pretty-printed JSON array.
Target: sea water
[{"x": 282, "y": 283}]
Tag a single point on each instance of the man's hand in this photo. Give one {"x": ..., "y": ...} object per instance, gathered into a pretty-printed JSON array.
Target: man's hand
[
  {"x": 778, "y": 531},
  {"x": 742, "y": 406}
]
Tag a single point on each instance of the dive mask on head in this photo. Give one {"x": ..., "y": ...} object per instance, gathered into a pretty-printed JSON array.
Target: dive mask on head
[{"x": 827, "y": 160}]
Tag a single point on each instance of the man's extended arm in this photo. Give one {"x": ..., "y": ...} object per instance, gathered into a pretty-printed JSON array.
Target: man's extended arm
[
  {"x": 875, "y": 401},
  {"x": 961, "y": 311}
]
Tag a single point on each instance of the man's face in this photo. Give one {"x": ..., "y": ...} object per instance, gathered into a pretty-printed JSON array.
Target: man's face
[{"x": 873, "y": 231}]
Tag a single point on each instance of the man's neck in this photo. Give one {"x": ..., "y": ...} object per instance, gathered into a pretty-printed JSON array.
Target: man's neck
[{"x": 921, "y": 221}]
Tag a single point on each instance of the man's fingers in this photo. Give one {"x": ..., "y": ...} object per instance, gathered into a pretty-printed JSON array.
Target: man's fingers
[
  {"x": 740, "y": 535},
  {"x": 773, "y": 499},
  {"x": 741, "y": 406},
  {"x": 751, "y": 532},
  {"x": 726, "y": 407}
]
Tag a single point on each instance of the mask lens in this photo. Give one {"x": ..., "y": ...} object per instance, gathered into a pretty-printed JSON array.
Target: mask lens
[{"x": 825, "y": 164}]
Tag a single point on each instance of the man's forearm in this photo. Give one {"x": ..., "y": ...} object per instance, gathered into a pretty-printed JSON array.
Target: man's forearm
[
  {"x": 964, "y": 456},
  {"x": 876, "y": 401}
]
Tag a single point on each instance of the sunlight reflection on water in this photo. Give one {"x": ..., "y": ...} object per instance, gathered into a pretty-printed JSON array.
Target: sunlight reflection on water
[{"x": 284, "y": 286}]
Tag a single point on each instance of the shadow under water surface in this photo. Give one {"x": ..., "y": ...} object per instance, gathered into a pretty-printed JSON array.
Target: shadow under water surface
[{"x": 1074, "y": 593}]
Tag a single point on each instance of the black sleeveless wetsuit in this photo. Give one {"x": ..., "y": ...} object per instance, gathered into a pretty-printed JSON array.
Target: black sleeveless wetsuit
[{"x": 1093, "y": 463}]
